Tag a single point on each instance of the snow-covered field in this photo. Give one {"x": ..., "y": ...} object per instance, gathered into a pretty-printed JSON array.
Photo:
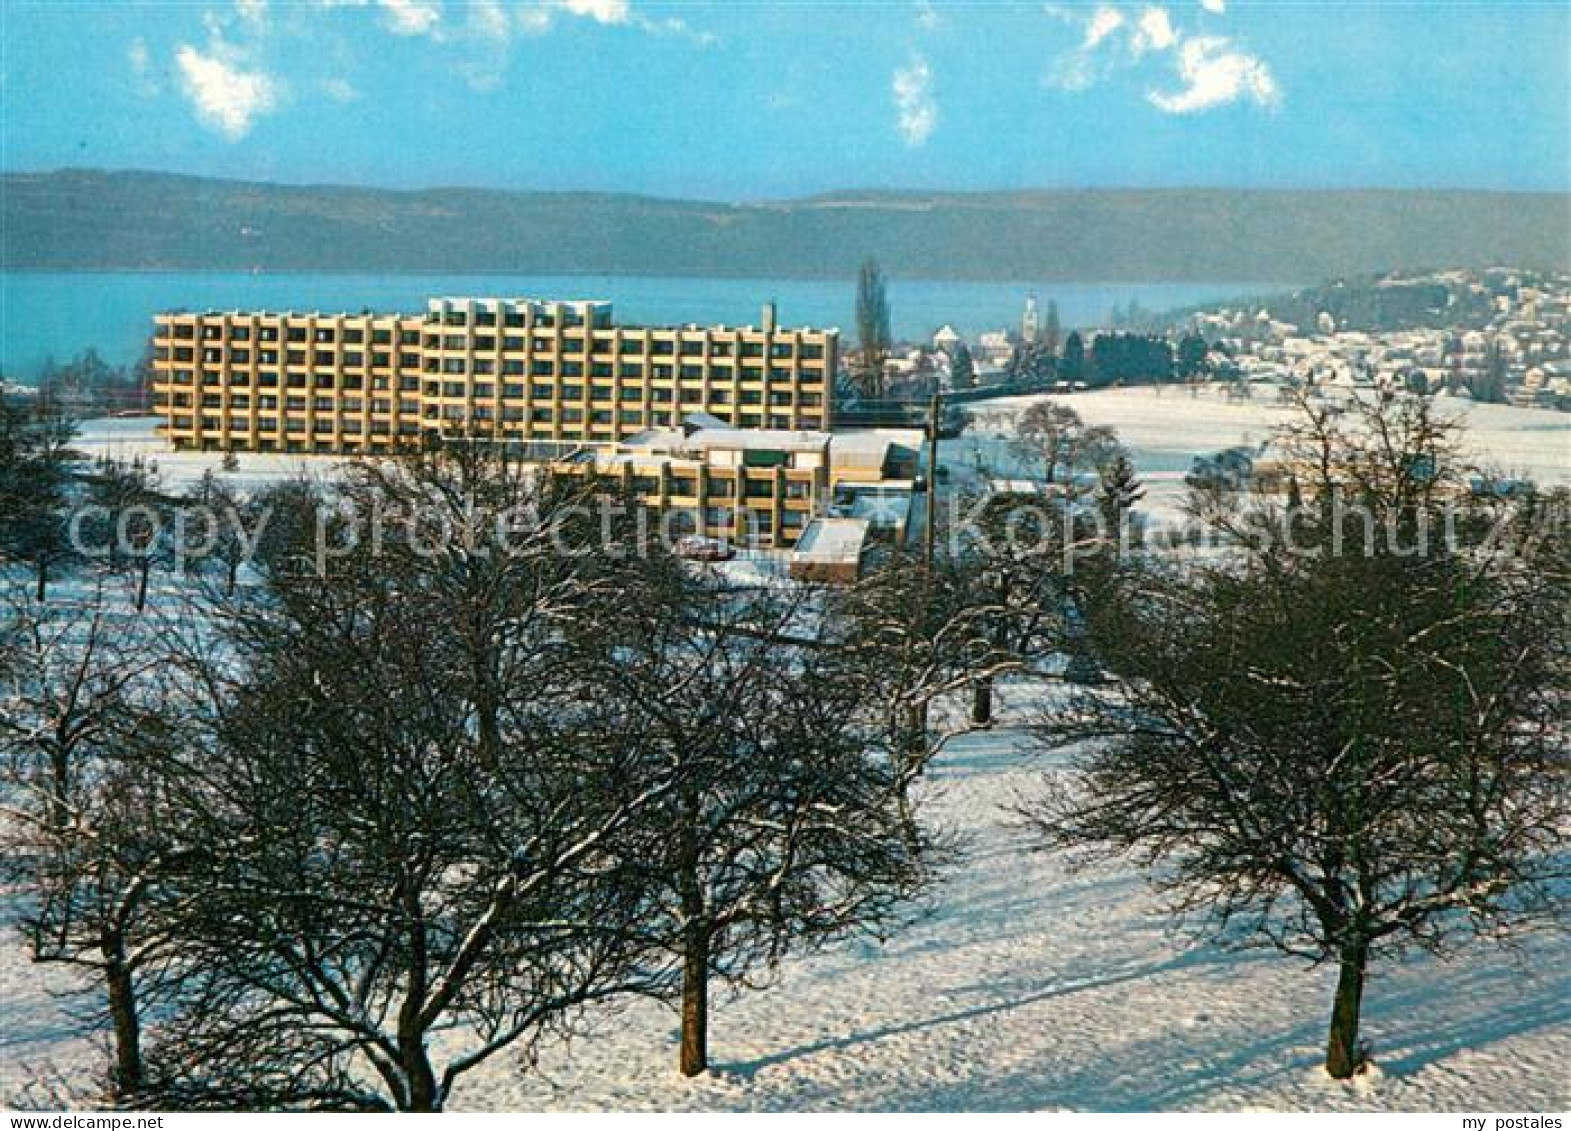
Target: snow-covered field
[
  {"x": 126, "y": 438},
  {"x": 1023, "y": 987},
  {"x": 1166, "y": 428}
]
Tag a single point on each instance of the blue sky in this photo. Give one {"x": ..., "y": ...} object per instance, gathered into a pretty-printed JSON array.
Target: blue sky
[{"x": 751, "y": 100}]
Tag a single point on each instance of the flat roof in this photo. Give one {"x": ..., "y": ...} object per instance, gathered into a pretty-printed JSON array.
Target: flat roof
[
  {"x": 755, "y": 439},
  {"x": 832, "y": 540}
]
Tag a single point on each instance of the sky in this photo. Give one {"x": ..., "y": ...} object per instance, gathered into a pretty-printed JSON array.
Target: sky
[{"x": 750, "y": 100}]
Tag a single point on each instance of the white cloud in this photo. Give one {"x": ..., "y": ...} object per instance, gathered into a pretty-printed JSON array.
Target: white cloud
[
  {"x": 1214, "y": 74},
  {"x": 536, "y": 18},
  {"x": 1103, "y": 23},
  {"x": 913, "y": 90},
  {"x": 412, "y": 17},
  {"x": 1212, "y": 69},
  {"x": 253, "y": 14},
  {"x": 1216, "y": 7},
  {"x": 1077, "y": 69},
  {"x": 1153, "y": 32},
  {"x": 226, "y": 97},
  {"x": 601, "y": 11}
]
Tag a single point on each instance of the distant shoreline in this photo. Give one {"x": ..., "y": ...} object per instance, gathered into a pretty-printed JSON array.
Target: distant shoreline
[{"x": 79, "y": 221}]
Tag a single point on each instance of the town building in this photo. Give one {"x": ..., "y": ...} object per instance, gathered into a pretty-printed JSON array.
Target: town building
[{"x": 549, "y": 376}]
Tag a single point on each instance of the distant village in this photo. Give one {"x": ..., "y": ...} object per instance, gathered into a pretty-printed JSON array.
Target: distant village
[{"x": 1496, "y": 335}]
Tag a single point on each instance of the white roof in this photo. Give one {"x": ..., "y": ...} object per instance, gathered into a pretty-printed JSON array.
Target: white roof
[
  {"x": 758, "y": 439},
  {"x": 832, "y": 540}
]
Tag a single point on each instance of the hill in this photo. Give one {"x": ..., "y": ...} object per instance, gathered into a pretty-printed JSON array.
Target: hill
[{"x": 85, "y": 220}]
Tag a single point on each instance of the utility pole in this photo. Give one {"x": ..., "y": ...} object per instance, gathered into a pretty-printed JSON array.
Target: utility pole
[{"x": 929, "y": 531}]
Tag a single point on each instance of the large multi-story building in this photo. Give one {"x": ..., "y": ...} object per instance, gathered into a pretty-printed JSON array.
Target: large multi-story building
[{"x": 556, "y": 375}]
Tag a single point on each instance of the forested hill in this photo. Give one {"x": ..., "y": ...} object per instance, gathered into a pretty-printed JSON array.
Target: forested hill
[{"x": 81, "y": 220}]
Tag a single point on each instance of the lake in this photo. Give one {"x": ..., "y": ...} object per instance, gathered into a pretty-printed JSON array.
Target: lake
[{"x": 59, "y": 315}]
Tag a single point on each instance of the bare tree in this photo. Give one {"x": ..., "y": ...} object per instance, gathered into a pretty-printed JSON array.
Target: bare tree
[
  {"x": 1341, "y": 746},
  {"x": 81, "y": 734},
  {"x": 906, "y": 636},
  {"x": 407, "y": 822},
  {"x": 782, "y": 830},
  {"x": 130, "y": 520},
  {"x": 35, "y": 484},
  {"x": 1061, "y": 445}
]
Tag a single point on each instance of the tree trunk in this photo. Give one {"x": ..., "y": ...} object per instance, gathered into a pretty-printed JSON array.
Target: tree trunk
[
  {"x": 982, "y": 701},
  {"x": 128, "y": 1077},
  {"x": 143, "y": 570},
  {"x": 695, "y": 1002},
  {"x": 1343, "y": 1056},
  {"x": 41, "y": 590},
  {"x": 419, "y": 1077}
]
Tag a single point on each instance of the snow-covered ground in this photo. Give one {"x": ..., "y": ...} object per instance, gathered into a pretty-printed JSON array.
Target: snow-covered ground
[
  {"x": 1024, "y": 987},
  {"x": 1165, "y": 428},
  {"x": 126, "y": 438}
]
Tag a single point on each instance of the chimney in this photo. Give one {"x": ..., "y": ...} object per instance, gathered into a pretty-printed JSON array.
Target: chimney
[{"x": 769, "y": 317}]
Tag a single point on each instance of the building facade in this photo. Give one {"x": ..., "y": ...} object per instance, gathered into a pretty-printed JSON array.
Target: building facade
[
  {"x": 738, "y": 486},
  {"x": 558, "y": 375}
]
